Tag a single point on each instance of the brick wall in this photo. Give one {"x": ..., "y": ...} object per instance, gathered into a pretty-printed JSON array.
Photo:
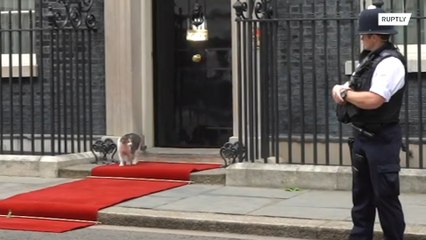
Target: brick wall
[
  {"x": 68, "y": 94},
  {"x": 314, "y": 53},
  {"x": 67, "y": 82},
  {"x": 27, "y": 102}
]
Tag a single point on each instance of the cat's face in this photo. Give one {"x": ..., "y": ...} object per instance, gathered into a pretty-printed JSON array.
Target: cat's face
[{"x": 126, "y": 141}]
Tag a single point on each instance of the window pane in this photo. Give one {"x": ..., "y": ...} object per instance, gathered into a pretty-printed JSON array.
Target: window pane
[
  {"x": 412, "y": 31},
  {"x": 16, "y": 41},
  {"x": 7, "y": 5}
]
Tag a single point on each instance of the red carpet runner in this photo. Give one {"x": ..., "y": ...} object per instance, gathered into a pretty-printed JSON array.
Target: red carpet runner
[{"x": 76, "y": 204}]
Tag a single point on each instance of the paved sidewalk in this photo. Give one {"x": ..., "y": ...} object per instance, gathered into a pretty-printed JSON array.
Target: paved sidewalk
[{"x": 309, "y": 214}]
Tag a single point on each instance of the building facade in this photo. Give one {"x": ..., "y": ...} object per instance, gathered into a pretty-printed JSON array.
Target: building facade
[
  {"x": 261, "y": 77},
  {"x": 314, "y": 45}
]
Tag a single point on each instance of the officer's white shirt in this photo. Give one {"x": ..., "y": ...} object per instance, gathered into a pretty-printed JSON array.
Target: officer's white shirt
[{"x": 388, "y": 77}]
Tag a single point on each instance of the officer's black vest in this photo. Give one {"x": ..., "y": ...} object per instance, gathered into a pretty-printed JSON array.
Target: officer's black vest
[{"x": 388, "y": 112}]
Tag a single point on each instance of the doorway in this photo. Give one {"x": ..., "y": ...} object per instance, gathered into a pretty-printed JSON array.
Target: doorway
[{"x": 192, "y": 79}]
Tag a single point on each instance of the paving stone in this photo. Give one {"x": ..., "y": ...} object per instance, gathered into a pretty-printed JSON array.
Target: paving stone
[
  {"x": 218, "y": 204},
  {"x": 253, "y": 192},
  {"x": 281, "y": 209}
]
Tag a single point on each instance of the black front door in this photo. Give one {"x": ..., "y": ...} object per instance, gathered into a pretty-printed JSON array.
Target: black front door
[{"x": 193, "y": 86}]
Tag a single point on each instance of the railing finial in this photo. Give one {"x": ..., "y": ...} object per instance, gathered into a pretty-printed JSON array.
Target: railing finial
[{"x": 378, "y": 3}]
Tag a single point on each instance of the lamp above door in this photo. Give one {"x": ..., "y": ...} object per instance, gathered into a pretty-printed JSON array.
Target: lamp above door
[{"x": 197, "y": 24}]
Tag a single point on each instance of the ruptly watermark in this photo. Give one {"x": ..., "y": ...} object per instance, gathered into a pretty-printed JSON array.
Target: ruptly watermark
[{"x": 394, "y": 19}]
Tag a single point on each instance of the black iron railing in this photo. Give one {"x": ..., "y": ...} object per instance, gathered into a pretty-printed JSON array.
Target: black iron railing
[
  {"x": 290, "y": 54},
  {"x": 46, "y": 77}
]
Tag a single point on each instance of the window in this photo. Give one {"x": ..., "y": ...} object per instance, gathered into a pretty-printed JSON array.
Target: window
[
  {"x": 412, "y": 54},
  {"x": 416, "y": 33},
  {"x": 415, "y": 8},
  {"x": 15, "y": 37},
  {"x": 10, "y": 20}
]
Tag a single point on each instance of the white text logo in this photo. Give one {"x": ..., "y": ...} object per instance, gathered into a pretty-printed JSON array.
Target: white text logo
[{"x": 394, "y": 19}]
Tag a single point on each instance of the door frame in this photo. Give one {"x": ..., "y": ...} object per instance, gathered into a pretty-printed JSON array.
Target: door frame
[{"x": 129, "y": 68}]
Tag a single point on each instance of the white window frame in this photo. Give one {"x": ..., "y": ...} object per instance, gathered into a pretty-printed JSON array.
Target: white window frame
[
  {"x": 412, "y": 53},
  {"x": 24, "y": 67}
]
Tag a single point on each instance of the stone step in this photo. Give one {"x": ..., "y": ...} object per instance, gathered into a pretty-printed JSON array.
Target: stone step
[
  {"x": 214, "y": 176},
  {"x": 76, "y": 171}
]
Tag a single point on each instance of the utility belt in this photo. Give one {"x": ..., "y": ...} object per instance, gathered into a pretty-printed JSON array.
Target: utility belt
[{"x": 371, "y": 129}]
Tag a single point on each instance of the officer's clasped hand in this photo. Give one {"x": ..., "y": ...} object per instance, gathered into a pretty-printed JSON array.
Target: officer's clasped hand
[{"x": 336, "y": 93}]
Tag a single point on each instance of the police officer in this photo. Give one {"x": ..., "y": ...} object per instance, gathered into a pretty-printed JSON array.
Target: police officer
[{"x": 371, "y": 103}]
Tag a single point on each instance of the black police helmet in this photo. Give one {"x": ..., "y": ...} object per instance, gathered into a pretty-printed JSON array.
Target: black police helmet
[{"x": 369, "y": 21}]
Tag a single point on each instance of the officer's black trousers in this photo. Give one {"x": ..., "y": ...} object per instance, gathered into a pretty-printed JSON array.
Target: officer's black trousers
[{"x": 375, "y": 164}]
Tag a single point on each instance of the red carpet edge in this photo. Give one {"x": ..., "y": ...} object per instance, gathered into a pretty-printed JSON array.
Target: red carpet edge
[{"x": 75, "y": 204}]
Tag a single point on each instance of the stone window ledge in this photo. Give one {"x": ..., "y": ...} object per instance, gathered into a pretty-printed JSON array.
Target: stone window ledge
[
  {"x": 412, "y": 59},
  {"x": 8, "y": 70}
]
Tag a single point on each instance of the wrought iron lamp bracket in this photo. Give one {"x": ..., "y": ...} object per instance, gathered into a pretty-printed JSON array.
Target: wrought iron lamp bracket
[
  {"x": 230, "y": 152},
  {"x": 72, "y": 13},
  {"x": 240, "y": 9},
  {"x": 261, "y": 9},
  {"x": 105, "y": 147}
]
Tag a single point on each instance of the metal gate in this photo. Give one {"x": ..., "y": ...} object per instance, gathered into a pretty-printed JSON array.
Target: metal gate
[
  {"x": 46, "y": 86},
  {"x": 290, "y": 54}
]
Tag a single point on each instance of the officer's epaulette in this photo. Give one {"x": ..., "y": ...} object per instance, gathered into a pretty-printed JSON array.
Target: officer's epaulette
[{"x": 388, "y": 53}]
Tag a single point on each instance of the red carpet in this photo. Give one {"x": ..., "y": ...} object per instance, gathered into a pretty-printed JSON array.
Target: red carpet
[
  {"x": 75, "y": 205},
  {"x": 156, "y": 170},
  {"x": 40, "y": 225}
]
